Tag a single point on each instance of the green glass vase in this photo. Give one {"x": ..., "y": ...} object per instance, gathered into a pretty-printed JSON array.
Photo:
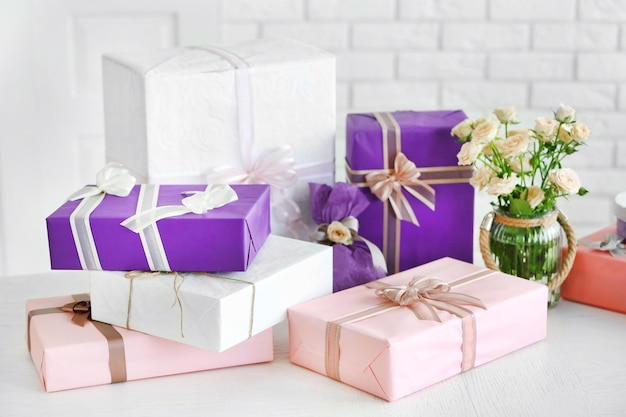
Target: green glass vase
[{"x": 529, "y": 247}]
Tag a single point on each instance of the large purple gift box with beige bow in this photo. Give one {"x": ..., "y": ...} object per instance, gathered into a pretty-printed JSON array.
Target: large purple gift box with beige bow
[
  {"x": 87, "y": 234},
  {"x": 262, "y": 111},
  {"x": 455, "y": 316},
  {"x": 411, "y": 156}
]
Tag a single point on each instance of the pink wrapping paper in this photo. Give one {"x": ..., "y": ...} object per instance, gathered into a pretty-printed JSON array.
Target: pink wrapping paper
[
  {"x": 68, "y": 356},
  {"x": 394, "y": 354}
]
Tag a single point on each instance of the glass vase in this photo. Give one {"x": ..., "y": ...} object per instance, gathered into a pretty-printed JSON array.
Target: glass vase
[{"x": 528, "y": 247}]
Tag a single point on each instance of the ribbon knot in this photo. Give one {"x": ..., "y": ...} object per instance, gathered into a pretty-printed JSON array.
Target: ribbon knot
[
  {"x": 426, "y": 295},
  {"x": 387, "y": 185},
  {"x": 81, "y": 310},
  {"x": 612, "y": 243},
  {"x": 199, "y": 202},
  {"x": 112, "y": 179}
]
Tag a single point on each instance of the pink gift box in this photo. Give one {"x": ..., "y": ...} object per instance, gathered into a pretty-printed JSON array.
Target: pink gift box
[
  {"x": 392, "y": 353},
  {"x": 68, "y": 355}
]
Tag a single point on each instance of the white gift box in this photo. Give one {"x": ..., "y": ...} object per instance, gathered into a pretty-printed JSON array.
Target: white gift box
[
  {"x": 215, "y": 311},
  {"x": 185, "y": 115}
]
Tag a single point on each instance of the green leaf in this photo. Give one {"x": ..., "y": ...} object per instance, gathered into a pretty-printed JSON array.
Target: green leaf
[
  {"x": 582, "y": 191},
  {"x": 519, "y": 206}
]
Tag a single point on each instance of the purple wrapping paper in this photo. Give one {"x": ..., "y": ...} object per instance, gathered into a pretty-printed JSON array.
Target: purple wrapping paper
[
  {"x": 425, "y": 140},
  {"x": 352, "y": 264},
  {"x": 223, "y": 239}
]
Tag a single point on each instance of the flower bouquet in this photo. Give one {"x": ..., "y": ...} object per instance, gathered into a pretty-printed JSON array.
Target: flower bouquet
[
  {"x": 356, "y": 260},
  {"x": 522, "y": 168}
]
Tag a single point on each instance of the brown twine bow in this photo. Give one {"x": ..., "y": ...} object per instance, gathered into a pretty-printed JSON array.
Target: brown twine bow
[
  {"x": 425, "y": 295},
  {"x": 131, "y": 275},
  {"x": 387, "y": 185}
]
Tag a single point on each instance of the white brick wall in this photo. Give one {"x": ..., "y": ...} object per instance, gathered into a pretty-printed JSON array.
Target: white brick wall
[{"x": 474, "y": 55}]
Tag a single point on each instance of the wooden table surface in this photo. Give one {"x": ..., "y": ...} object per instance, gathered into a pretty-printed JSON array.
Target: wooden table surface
[{"x": 579, "y": 370}]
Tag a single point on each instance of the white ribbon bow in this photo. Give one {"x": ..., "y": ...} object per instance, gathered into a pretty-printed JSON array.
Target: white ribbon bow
[
  {"x": 199, "y": 202},
  {"x": 112, "y": 179}
]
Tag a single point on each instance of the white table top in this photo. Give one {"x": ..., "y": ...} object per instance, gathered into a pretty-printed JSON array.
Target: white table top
[{"x": 579, "y": 370}]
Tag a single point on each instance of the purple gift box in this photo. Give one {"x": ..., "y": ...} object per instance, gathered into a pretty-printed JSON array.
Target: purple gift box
[
  {"x": 436, "y": 208},
  {"x": 226, "y": 238}
]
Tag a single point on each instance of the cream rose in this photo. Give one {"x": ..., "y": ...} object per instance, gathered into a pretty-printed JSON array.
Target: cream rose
[
  {"x": 513, "y": 145},
  {"x": 546, "y": 128},
  {"x": 463, "y": 129},
  {"x": 481, "y": 177},
  {"x": 522, "y": 131},
  {"x": 564, "y": 113},
  {"x": 506, "y": 114},
  {"x": 564, "y": 134},
  {"x": 519, "y": 165},
  {"x": 533, "y": 195},
  {"x": 580, "y": 132},
  {"x": 565, "y": 179},
  {"x": 485, "y": 130},
  {"x": 337, "y": 232},
  {"x": 502, "y": 186},
  {"x": 468, "y": 153}
]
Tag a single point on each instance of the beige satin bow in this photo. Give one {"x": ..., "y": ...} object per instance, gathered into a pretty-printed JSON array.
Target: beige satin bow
[
  {"x": 387, "y": 185},
  {"x": 425, "y": 296}
]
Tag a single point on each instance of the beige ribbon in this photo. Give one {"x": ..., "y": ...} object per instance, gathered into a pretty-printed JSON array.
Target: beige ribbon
[
  {"x": 423, "y": 296},
  {"x": 387, "y": 185}
]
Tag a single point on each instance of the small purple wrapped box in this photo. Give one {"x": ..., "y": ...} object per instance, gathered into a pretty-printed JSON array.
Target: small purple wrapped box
[
  {"x": 422, "y": 205},
  {"x": 87, "y": 234}
]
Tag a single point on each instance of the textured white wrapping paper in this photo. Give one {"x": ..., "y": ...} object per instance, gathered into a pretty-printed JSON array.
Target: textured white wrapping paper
[
  {"x": 217, "y": 313},
  {"x": 172, "y": 115}
]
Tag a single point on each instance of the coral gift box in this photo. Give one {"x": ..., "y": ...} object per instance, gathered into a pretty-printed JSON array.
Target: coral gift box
[
  {"x": 597, "y": 278},
  {"x": 87, "y": 234},
  {"x": 69, "y": 355},
  {"x": 422, "y": 213},
  {"x": 216, "y": 311},
  {"x": 261, "y": 111},
  {"x": 369, "y": 342}
]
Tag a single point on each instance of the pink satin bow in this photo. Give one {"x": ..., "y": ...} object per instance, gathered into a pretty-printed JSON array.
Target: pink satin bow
[{"x": 387, "y": 185}]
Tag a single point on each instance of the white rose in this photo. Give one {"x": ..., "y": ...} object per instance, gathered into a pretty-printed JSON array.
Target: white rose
[
  {"x": 546, "y": 128},
  {"x": 533, "y": 195},
  {"x": 502, "y": 186},
  {"x": 462, "y": 130},
  {"x": 506, "y": 114},
  {"x": 580, "y": 132},
  {"x": 468, "y": 153},
  {"x": 565, "y": 179},
  {"x": 481, "y": 177},
  {"x": 337, "y": 232},
  {"x": 564, "y": 113},
  {"x": 485, "y": 130},
  {"x": 520, "y": 165},
  {"x": 513, "y": 145}
]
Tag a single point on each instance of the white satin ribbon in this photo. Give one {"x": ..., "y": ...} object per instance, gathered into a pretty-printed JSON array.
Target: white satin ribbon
[
  {"x": 150, "y": 236},
  {"x": 112, "y": 179},
  {"x": 199, "y": 202}
]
